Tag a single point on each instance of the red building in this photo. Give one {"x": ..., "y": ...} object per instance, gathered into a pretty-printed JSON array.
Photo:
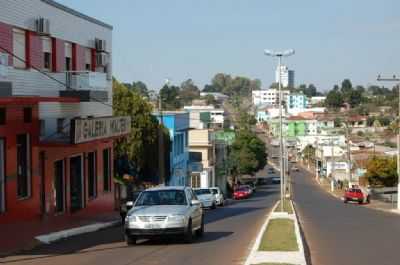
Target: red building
[{"x": 56, "y": 123}]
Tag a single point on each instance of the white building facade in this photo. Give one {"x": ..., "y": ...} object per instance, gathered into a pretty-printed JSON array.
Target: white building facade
[
  {"x": 287, "y": 76},
  {"x": 268, "y": 96}
]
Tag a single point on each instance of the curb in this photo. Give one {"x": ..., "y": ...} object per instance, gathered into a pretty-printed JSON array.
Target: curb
[
  {"x": 56, "y": 236},
  {"x": 294, "y": 257}
]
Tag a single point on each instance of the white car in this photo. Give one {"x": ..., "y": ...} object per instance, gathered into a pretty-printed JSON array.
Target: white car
[
  {"x": 165, "y": 211},
  {"x": 206, "y": 197},
  {"x": 219, "y": 196}
]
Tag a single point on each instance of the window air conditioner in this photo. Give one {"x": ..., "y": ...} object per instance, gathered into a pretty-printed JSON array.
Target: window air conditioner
[
  {"x": 42, "y": 26},
  {"x": 100, "y": 45}
]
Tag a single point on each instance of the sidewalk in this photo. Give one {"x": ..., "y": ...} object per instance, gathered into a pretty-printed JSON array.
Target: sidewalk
[
  {"x": 20, "y": 236},
  {"x": 374, "y": 204}
]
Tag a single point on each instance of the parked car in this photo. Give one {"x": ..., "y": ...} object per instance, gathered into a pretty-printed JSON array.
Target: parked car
[
  {"x": 252, "y": 186},
  {"x": 241, "y": 193},
  {"x": 206, "y": 197},
  {"x": 219, "y": 196},
  {"x": 295, "y": 168},
  {"x": 356, "y": 194},
  {"x": 164, "y": 211},
  {"x": 127, "y": 203},
  {"x": 276, "y": 180},
  {"x": 271, "y": 170}
]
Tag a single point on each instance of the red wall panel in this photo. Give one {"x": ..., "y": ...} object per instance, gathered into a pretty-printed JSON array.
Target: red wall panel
[
  {"x": 6, "y": 40},
  {"x": 34, "y": 53},
  {"x": 78, "y": 57},
  {"x": 58, "y": 55}
]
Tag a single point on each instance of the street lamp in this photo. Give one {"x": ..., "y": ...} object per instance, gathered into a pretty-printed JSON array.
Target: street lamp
[{"x": 280, "y": 54}]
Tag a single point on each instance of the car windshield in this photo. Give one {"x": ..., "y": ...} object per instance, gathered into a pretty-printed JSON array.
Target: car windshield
[
  {"x": 214, "y": 191},
  {"x": 202, "y": 191},
  {"x": 162, "y": 197}
]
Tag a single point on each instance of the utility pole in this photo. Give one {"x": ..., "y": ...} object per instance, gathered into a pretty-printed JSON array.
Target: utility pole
[
  {"x": 396, "y": 79},
  {"x": 161, "y": 166},
  {"x": 316, "y": 161},
  {"x": 281, "y": 158},
  {"x": 348, "y": 151}
]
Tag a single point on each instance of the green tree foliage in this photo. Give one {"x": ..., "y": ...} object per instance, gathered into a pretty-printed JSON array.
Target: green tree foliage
[
  {"x": 246, "y": 121},
  {"x": 382, "y": 171},
  {"x": 141, "y": 145},
  {"x": 138, "y": 87},
  {"x": 309, "y": 153},
  {"x": 188, "y": 92},
  {"x": 170, "y": 97},
  {"x": 309, "y": 91},
  {"x": 232, "y": 86},
  {"x": 248, "y": 154},
  {"x": 334, "y": 99},
  {"x": 210, "y": 100}
]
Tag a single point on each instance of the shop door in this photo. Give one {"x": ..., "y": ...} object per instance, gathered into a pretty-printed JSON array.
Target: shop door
[
  {"x": 59, "y": 185},
  {"x": 2, "y": 177},
  {"x": 76, "y": 183}
]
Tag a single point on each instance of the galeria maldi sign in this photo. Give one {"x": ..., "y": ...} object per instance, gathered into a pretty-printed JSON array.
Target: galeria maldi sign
[{"x": 86, "y": 130}]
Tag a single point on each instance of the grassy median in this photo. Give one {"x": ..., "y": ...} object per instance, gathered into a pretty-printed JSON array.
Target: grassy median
[
  {"x": 279, "y": 236},
  {"x": 287, "y": 207}
]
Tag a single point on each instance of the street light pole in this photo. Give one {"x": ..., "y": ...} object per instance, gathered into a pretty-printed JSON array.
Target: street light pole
[
  {"x": 281, "y": 158},
  {"x": 396, "y": 79}
]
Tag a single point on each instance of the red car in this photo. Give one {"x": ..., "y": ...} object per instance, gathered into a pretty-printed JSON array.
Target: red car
[
  {"x": 355, "y": 194},
  {"x": 241, "y": 193}
]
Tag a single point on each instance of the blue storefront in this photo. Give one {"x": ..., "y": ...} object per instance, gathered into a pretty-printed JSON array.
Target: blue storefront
[{"x": 177, "y": 123}]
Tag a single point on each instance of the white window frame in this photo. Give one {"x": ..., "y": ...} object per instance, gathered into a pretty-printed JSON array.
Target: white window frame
[{"x": 19, "y": 48}]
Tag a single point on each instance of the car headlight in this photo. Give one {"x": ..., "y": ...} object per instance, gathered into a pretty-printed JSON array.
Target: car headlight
[
  {"x": 131, "y": 218},
  {"x": 176, "y": 218}
]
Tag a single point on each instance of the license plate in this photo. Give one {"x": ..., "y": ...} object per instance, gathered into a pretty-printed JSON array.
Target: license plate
[
  {"x": 355, "y": 198},
  {"x": 151, "y": 226}
]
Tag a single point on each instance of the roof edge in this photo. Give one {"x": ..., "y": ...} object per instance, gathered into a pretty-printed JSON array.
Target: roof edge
[{"x": 77, "y": 13}]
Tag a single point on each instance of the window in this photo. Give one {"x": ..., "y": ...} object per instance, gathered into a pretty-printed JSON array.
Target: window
[
  {"x": 68, "y": 56},
  {"x": 2, "y": 116},
  {"x": 92, "y": 175},
  {"x": 42, "y": 128},
  {"x": 19, "y": 48},
  {"x": 106, "y": 170},
  {"x": 47, "y": 48},
  {"x": 23, "y": 166},
  {"x": 28, "y": 115},
  {"x": 88, "y": 59},
  {"x": 60, "y": 125}
]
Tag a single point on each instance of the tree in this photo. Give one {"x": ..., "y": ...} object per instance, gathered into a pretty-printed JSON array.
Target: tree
[
  {"x": 382, "y": 171},
  {"x": 248, "y": 154},
  {"x": 334, "y": 99},
  {"x": 309, "y": 153},
  {"x": 210, "y": 100},
  {"x": 138, "y": 87},
  {"x": 188, "y": 92},
  {"x": 246, "y": 121},
  {"x": 170, "y": 97},
  {"x": 209, "y": 88},
  {"x": 140, "y": 145}
]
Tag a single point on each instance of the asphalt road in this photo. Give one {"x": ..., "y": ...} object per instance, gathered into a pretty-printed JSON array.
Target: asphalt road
[
  {"x": 230, "y": 232},
  {"x": 346, "y": 234}
]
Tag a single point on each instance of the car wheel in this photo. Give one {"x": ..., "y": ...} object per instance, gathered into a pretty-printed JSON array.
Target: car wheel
[
  {"x": 360, "y": 202},
  {"x": 200, "y": 232},
  {"x": 130, "y": 240},
  {"x": 345, "y": 200},
  {"x": 368, "y": 199},
  {"x": 188, "y": 236}
]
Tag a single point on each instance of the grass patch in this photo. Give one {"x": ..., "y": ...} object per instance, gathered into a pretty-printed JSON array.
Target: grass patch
[
  {"x": 279, "y": 236},
  {"x": 287, "y": 207}
]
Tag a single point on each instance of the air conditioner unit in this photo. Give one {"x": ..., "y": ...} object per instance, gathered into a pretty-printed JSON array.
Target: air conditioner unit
[
  {"x": 101, "y": 59},
  {"x": 3, "y": 65},
  {"x": 100, "y": 45},
  {"x": 42, "y": 26}
]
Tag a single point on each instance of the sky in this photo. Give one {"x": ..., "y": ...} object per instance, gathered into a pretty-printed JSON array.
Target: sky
[{"x": 180, "y": 39}]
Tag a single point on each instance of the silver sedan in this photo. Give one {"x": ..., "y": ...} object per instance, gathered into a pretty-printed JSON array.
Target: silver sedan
[{"x": 165, "y": 211}]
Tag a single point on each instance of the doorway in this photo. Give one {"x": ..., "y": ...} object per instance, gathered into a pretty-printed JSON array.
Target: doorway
[
  {"x": 59, "y": 186},
  {"x": 76, "y": 183}
]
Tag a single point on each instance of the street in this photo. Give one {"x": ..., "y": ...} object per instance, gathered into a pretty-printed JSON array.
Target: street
[
  {"x": 347, "y": 234},
  {"x": 230, "y": 230}
]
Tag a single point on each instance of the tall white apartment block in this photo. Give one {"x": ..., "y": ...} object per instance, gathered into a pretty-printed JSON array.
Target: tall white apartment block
[
  {"x": 268, "y": 96},
  {"x": 287, "y": 76}
]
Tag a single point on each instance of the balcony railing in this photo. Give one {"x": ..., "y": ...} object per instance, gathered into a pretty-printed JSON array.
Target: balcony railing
[{"x": 86, "y": 80}]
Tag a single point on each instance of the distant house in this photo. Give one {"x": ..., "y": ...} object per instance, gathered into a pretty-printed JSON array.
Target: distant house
[
  {"x": 217, "y": 96},
  {"x": 296, "y": 102},
  {"x": 177, "y": 122},
  {"x": 216, "y": 116}
]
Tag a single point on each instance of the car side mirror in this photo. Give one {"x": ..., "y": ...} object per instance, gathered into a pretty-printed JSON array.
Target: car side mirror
[{"x": 195, "y": 202}]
